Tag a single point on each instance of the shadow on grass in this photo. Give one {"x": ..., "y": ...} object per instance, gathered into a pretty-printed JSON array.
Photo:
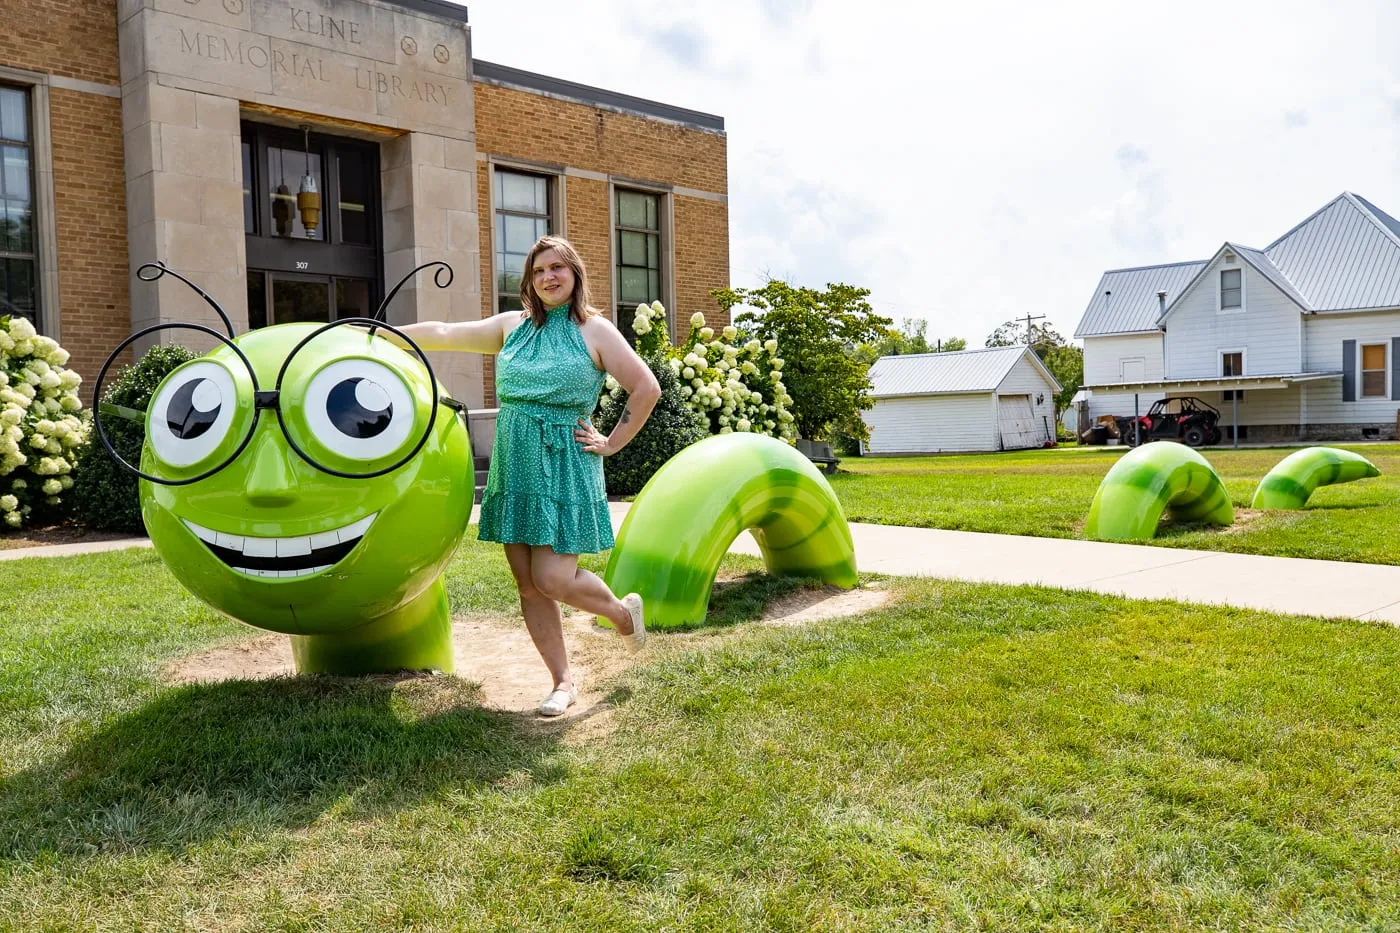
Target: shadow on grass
[
  {"x": 745, "y": 599},
  {"x": 239, "y": 758}
]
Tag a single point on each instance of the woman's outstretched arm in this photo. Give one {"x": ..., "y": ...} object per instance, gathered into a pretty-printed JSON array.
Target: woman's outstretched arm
[{"x": 484, "y": 336}]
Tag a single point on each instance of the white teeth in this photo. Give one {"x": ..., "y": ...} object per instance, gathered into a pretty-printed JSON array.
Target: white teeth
[
  {"x": 232, "y": 542},
  {"x": 325, "y": 539},
  {"x": 203, "y": 533},
  {"x": 292, "y": 547},
  {"x": 297, "y": 546},
  {"x": 282, "y": 574},
  {"x": 357, "y": 530}
]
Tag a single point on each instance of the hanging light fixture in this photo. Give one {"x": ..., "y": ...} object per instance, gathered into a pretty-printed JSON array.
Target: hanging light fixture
[
  {"x": 282, "y": 201},
  {"x": 308, "y": 197}
]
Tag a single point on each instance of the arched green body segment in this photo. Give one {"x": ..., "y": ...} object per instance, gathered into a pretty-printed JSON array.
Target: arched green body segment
[
  {"x": 1289, "y": 484},
  {"x": 683, "y": 521},
  {"x": 1150, "y": 479}
]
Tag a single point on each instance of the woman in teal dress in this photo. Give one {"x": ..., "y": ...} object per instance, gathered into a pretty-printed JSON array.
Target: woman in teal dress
[{"x": 545, "y": 499}]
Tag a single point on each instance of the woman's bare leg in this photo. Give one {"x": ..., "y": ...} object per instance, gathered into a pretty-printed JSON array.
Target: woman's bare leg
[
  {"x": 559, "y": 577},
  {"x": 542, "y": 618}
]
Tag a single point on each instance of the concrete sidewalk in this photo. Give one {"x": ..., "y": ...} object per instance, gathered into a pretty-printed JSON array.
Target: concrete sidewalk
[{"x": 1279, "y": 584}]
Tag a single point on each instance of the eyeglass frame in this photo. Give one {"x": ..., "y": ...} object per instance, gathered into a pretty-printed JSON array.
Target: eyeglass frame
[{"x": 263, "y": 400}]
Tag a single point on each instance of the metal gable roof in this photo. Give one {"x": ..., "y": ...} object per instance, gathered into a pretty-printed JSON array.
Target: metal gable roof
[
  {"x": 1346, "y": 256},
  {"x": 1253, "y": 258},
  {"x": 1125, "y": 301},
  {"x": 1343, "y": 257},
  {"x": 957, "y": 372}
]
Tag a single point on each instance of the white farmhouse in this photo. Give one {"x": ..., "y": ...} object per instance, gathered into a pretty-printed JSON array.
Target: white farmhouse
[
  {"x": 1001, "y": 398},
  {"x": 1299, "y": 340}
]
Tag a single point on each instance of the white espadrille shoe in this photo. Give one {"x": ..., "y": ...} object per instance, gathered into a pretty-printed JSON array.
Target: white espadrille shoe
[
  {"x": 634, "y": 642},
  {"x": 558, "y": 701}
]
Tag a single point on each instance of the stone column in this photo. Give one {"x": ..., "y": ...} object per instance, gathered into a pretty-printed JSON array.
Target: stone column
[
  {"x": 429, "y": 186},
  {"x": 184, "y": 203}
]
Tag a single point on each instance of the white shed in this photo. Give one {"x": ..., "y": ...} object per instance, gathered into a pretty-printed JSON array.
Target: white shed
[{"x": 1001, "y": 398}]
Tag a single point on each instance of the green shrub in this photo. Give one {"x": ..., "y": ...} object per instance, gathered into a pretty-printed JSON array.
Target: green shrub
[
  {"x": 672, "y": 426},
  {"x": 105, "y": 494}
]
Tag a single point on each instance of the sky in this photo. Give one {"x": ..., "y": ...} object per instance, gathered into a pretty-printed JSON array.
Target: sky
[{"x": 974, "y": 162}]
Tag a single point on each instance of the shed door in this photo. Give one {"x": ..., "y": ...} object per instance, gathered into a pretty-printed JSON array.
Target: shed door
[{"x": 1016, "y": 422}]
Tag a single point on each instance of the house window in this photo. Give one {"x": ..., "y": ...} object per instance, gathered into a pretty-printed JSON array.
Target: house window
[
  {"x": 522, "y": 217},
  {"x": 1232, "y": 364},
  {"x": 638, "y": 251},
  {"x": 19, "y": 268},
  {"x": 1231, "y": 290},
  {"x": 1373, "y": 371}
]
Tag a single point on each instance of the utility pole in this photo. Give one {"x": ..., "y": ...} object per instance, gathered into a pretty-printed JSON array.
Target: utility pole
[{"x": 1029, "y": 333}]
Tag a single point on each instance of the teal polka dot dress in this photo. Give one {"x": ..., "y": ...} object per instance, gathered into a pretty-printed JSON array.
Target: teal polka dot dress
[{"x": 543, "y": 489}]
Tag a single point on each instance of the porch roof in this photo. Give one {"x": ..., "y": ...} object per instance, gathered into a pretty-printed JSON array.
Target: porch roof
[{"x": 1218, "y": 383}]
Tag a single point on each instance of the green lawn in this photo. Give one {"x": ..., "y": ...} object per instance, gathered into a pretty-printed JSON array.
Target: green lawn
[
  {"x": 969, "y": 757},
  {"x": 1047, "y": 493}
]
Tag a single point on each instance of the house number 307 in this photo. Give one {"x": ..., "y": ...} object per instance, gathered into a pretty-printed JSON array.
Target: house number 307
[{"x": 303, "y": 265}]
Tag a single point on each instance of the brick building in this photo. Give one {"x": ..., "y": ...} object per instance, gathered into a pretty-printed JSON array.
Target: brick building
[{"x": 184, "y": 131}]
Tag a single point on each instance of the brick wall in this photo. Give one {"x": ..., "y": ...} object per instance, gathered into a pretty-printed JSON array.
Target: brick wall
[
  {"x": 521, "y": 125},
  {"x": 702, "y": 259},
  {"x": 61, "y": 37},
  {"x": 90, "y": 204},
  {"x": 79, "y": 40}
]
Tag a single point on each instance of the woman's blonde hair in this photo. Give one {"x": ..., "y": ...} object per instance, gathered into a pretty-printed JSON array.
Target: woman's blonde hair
[{"x": 580, "y": 302}]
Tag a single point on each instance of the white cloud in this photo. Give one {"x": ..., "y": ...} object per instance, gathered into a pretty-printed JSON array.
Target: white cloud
[{"x": 973, "y": 162}]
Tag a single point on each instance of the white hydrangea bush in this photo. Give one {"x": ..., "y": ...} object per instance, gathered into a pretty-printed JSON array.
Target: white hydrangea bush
[
  {"x": 736, "y": 383},
  {"x": 41, "y": 427}
]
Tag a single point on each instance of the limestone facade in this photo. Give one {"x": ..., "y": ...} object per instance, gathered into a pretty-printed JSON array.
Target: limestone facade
[{"x": 142, "y": 112}]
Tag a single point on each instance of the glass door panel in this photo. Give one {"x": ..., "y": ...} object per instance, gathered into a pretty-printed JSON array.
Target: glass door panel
[
  {"x": 353, "y": 298},
  {"x": 300, "y": 299}
]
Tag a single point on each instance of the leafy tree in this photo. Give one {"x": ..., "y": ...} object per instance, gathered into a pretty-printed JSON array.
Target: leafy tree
[
  {"x": 908, "y": 338},
  {"x": 817, "y": 332},
  {"x": 1064, "y": 360}
]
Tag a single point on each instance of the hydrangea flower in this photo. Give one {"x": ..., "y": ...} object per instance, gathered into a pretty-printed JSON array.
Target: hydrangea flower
[{"x": 39, "y": 426}]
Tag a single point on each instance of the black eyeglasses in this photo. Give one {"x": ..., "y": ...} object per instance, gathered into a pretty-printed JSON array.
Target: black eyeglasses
[{"x": 353, "y": 408}]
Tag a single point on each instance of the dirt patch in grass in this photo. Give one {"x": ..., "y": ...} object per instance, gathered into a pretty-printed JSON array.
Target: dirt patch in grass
[
  {"x": 497, "y": 653},
  {"x": 1244, "y": 518},
  {"x": 826, "y": 603},
  {"x": 65, "y": 533}
]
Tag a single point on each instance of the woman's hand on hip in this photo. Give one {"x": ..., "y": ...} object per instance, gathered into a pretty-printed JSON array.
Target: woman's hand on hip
[{"x": 593, "y": 440}]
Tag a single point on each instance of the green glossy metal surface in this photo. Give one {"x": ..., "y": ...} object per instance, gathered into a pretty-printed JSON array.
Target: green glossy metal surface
[
  {"x": 692, "y": 509},
  {"x": 1289, "y": 484},
  {"x": 381, "y": 607},
  {"x": 1149, "y": 479}
]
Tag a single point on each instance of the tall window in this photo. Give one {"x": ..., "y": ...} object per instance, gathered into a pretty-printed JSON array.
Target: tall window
[
  {"x": 522, "y": 217},
  {"x": 638, "y": 252},
  {"x": 1232, "y": 364},
  {"x": 19, "y": 268},
  {"x": 1373, "y": 371},
  {"x": 1231, "y": 289}
]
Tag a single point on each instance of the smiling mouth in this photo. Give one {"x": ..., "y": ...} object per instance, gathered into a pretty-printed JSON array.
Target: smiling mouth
[{"x": 284, "y": 558}]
